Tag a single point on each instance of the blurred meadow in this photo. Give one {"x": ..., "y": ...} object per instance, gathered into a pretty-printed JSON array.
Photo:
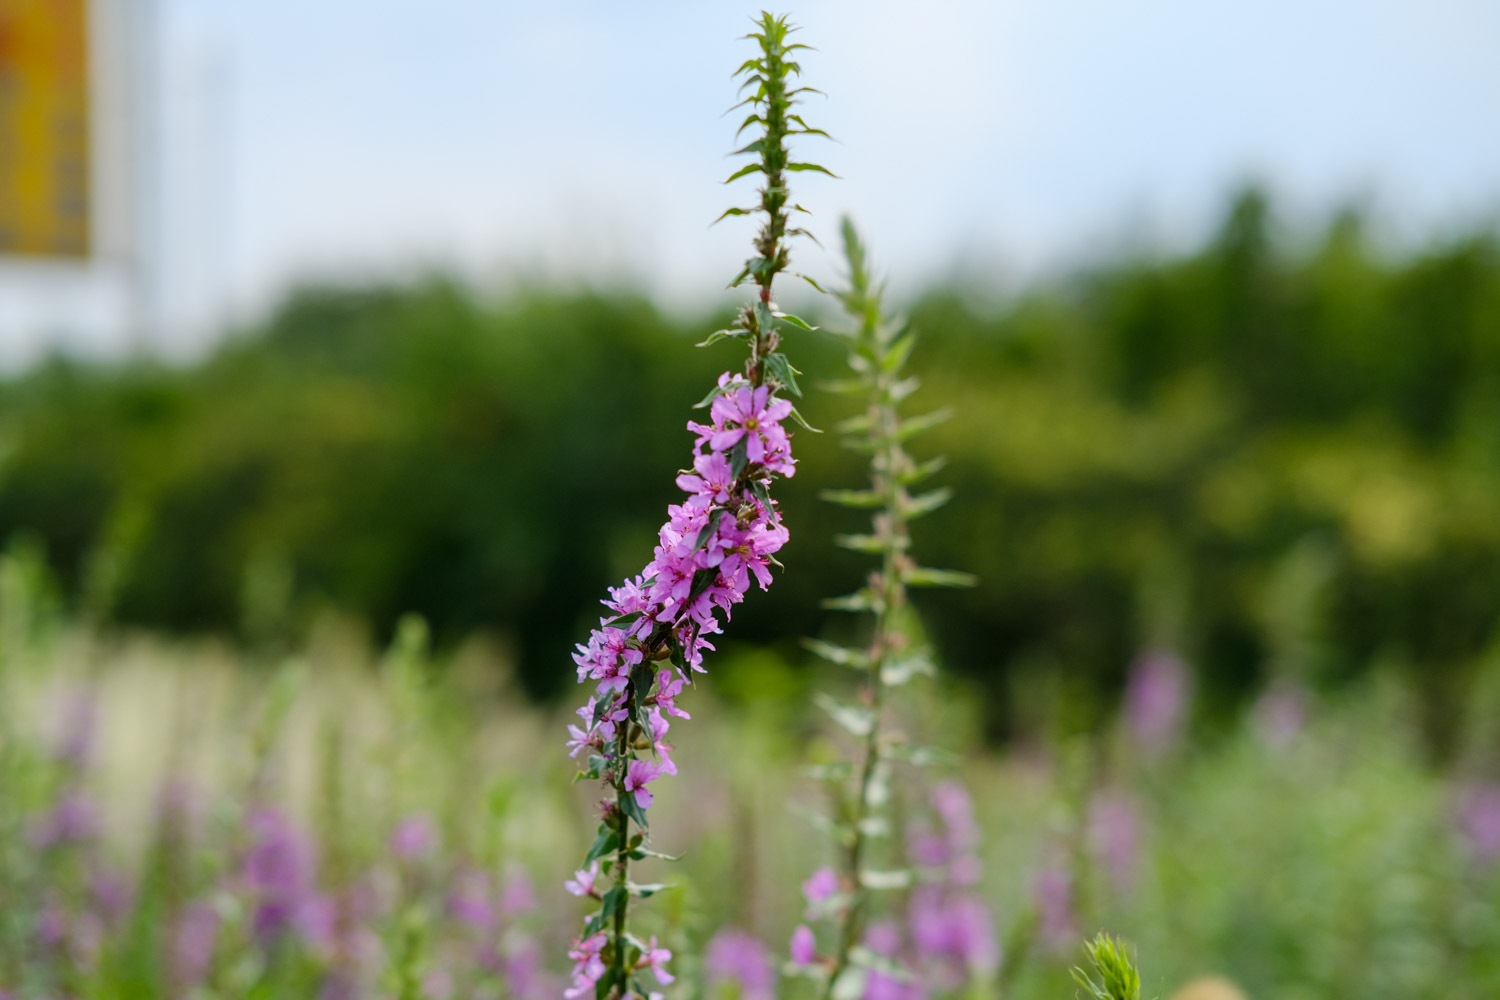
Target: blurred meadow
[
  {"x": 285, "y": 632},
  {"x": 288, "y": 606}
]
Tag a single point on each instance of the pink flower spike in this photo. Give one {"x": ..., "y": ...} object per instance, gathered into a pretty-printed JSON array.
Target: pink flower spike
[{"x": 804, "y": 945}]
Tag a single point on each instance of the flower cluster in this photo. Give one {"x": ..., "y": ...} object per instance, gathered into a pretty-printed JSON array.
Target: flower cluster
[{"x": 723, "y": 535}]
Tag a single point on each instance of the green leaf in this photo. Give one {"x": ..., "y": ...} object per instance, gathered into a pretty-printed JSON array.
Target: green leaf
[
  {"x": 925, "y": 503},
  {"x": 604, "y": 844},
  {"x": 863, "y": 599},
  {"x": 842, "y": 655},
  {"x": 855, "y": 720},
  {"x": 718, "y": 335},
  {"x": 918, "y": 756},
  {"x": 782, "y": 370},
  {"x": 898, "y": 671},
  {"x": 799, "y": 167},
  {"x": 924, "y": 470},
  {"x": 702, "y": 580},
  {"x": 839, "y": 770},
  {"x": 738, "y": 457},
  {"x": 714, "y": 517},
  {"x": 797, "y": 416},
  {"x": 752, "y": 119},
  {"x": 885, "y": 879},
  {"x": 860, "y": 499},
  {"x": 639, "y": 853},
  {"x": 901, "y": 389},
  {"x": 765, "y": 320},
  {"x": 927, "y": 421},
  {"x": 647, "y": 890},
  {"x": 797, "y": 321},
  {"x": 631, "y": 808},
  {"x": 747, "y": 169},
  {"x": 922, "y": 576},
  {"x": 805, "y": 277},
  {"x": 860, "y": 424},
  {"x": 850, "y": 985},
  {"x": 841, "y": 833},
  {"x": 732, "y": 211},
  {"x": 860, "y": 543},
  {"x": 719, "y": 390},
  {"x": 898, "y": 352}
]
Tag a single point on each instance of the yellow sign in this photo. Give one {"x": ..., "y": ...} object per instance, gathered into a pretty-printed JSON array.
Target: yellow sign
[{"x": 44, "y": 128}]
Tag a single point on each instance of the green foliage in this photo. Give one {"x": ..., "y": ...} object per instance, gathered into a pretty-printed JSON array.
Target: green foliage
[
  {"x": 1118, "y": 979},
  {"x": 423, "y": 448}
]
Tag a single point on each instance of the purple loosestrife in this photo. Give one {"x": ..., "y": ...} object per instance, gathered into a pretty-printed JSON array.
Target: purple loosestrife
[
  {"x": 735, "y": 957},
  {"x": 722, "y": 537},
  {"x": 861, "y": 963},
  {"x": 951, "y": 930},
  {"x": 1157, "y": 698}
]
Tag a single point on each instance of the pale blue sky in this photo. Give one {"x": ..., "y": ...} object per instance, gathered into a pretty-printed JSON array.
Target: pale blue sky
[{"x": 584, "y": 138}]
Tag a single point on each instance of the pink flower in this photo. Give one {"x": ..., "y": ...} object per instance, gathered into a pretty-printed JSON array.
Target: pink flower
[
  {"x": 656, "y": 960},
  {"x": 823, "y": 884},
  {"x": 588, "y": 968},
  {"x": 668, "y": 686},
  {"x": 804, "y": 945},
  {"x": 582, "y": 882},
  {"x": 639, "y": 774},
  {"x": 711, "y": 484},
  {"x": 736, "y": 957},
  {"x": 750, "y": 414},
  {"x": 414, "y": 837}
]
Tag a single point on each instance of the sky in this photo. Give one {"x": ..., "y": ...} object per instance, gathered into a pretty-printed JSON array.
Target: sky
[{"x": 583, "y": 139}]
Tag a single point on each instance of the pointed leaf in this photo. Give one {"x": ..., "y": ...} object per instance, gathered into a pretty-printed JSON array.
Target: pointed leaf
[
  {"x": 842, "y": 655},
  {"x": 922, "y": 576},
  {"x": 926, "y": 503},
  {"x": 927, "y": 421},
  {"x": 647, "y": 890},
  {"x": 797, "y": 416},
  {"x": 863, "y": 499},
  {"x": 718, "y": 335},
  {"x": 799, "y": 167},
  {"x": 855, "y": 720},
  {"x": 797, "y": 321},
  {"x": 719, "y": 390},
  {"x": 923, "y": 471},
  {"x": 863, "y": 599},
  {"x": 860, "y": 543},
  {"x": 748, "y": 168},
  {"x": 782, "y": 370},
  {"x": 885, "y": 879},
  {"x": 731, "y": 211},
  {"x": 898, "y": 671},
  {"x": 712, "y": 526}
]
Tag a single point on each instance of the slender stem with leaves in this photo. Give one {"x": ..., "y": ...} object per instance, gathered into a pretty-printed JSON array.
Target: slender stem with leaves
[
  {"x": 878, "y": 351},
  {"x": 724, "y": 534}
]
